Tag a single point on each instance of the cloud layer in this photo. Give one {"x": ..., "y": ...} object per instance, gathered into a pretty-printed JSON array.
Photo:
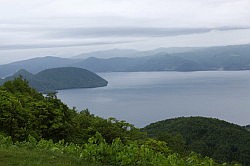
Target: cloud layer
[
  {"x": 51, "y": 25},
  {"x": 156, "y": 13}
]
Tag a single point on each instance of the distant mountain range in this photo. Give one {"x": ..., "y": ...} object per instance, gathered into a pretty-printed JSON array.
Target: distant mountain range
[
  {"x": 60, "y": 78},
  {"x": 129, "y": 53},
  {"x": 235, "y": 57}
]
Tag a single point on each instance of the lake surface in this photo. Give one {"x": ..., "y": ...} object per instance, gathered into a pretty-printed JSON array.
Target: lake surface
[{"x": 141, "y": 98}]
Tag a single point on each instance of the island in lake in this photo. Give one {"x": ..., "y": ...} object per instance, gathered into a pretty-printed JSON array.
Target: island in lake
[{"x": 60, "y": 78}]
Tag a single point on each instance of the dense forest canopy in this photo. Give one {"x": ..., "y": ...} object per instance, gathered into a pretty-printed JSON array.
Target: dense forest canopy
[
  {"x": 215, "y": 138},
  {"x": 26, "y": 112}
]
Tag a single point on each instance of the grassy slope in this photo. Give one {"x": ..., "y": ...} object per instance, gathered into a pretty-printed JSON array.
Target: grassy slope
[{"x": 23, "y": 157}]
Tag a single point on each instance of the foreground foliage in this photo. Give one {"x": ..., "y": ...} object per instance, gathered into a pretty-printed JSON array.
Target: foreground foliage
[
  {"x": 98, "y": 151},
  {"x": 24, "y": 112},
  {"x": 27, "y": 157}
]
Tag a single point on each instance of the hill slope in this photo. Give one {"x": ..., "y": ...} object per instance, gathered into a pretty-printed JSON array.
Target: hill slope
[
  {"x": 61, "y": 78},
  {"x": 235, "y": 57},
  {"x": 215, "y": 138}
]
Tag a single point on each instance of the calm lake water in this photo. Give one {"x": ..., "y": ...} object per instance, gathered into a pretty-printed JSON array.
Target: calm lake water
[{"x": 141, "y": 98}]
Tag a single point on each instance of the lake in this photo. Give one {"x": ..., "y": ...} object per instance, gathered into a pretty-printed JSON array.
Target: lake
[{"x": 141, "y": 98}]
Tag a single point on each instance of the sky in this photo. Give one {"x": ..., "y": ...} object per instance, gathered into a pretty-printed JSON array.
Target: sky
[{"x": 31, "y": 28}]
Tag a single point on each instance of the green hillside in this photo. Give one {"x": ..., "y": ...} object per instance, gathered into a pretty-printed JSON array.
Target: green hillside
[
  {"x": 215, "y": 138},
  {"x": 60, "y": 78},
  {"x": 41, "y": 131}
]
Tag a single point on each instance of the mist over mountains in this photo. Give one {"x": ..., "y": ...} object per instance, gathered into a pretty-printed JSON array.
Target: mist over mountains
[{"x": 234, "y": 57}]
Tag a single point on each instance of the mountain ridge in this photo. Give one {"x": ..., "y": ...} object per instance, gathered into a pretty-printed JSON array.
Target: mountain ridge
[{"x": 229, "y": 58}]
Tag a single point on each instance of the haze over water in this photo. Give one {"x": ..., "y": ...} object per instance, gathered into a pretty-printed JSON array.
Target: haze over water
[{"x": 141, "y": 98}]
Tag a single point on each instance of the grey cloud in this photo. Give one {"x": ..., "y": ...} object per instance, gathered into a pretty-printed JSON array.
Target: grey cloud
[
  {"x": 36, "y": 46},
  {"x": 140, "y": 24},
  {"x": 78, "y": 32},
  {"x": 122, "y": 32},
  {"x": 129, "y": 32}
]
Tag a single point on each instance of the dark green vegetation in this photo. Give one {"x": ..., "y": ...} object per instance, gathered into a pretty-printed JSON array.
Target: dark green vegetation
[
  {"x": 234, "y": 57},
  {"x": 38, "y": 130},
  {"x": 247, "y": 127},
  {"x": 32, "y": 157},
  {"x": 60, "y": 78},
  {"x": 210, "y": 137},
  {"x": 24, "y": 112}
]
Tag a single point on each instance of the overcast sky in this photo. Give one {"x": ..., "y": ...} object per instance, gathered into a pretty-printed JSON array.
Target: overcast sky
[{"x": 30, "y": 28}]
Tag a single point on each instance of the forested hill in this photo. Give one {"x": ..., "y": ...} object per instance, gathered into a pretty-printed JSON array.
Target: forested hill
[
  {"x": 60, "y": 78},
  {"x": 215, "y": 138}
]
